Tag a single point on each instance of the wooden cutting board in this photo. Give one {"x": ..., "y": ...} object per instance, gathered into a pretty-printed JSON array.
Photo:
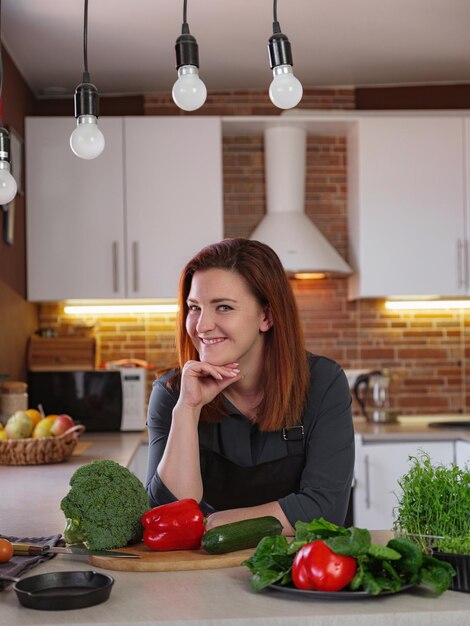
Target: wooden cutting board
[{"x": 176, "y": 560}]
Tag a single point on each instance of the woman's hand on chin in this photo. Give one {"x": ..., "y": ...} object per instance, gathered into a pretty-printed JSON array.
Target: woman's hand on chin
[{"x": 201, "y": 381}]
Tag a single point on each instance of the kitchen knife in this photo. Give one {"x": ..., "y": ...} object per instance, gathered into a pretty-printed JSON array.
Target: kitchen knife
[{"x": 25, "y": 549}]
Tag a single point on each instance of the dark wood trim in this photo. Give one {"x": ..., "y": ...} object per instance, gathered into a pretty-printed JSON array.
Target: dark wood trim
[{"x": 413, "y": 97}]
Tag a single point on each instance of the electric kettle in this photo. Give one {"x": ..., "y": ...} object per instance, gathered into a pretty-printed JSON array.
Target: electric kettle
[{"x": 372, "y": 391}]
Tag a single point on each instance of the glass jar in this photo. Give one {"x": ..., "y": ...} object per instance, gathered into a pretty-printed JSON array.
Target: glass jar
[{"x": 13, "y": 397}]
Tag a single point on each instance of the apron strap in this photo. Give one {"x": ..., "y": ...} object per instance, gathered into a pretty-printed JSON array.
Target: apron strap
[{"x": 295, "y": 438}]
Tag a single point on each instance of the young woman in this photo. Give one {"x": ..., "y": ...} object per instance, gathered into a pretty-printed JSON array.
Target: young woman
[{"x": 249, "y": 424}]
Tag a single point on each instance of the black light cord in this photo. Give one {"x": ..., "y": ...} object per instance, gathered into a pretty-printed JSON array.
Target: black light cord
[
  {"x": 185, "y": 25},
  {"x": 4, "y": 135},
  {"x": 276, "y": 25},
  {"x": 86, "y": 98},
  {"x": 1, "y": 60},
  {"x": 86, "y": 75},
  {"x": 186, "y": 45}
]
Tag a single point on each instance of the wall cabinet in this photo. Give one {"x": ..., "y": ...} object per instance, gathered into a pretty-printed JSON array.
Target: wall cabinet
[
  {"x": 378, "y": 468},
  {"x": 122, "y": 225},
  {"x": 408, "y": 200},
  {"x": 75, "y": 213}
]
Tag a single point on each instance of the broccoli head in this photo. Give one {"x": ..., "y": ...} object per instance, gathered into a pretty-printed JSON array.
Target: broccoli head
[{"x": 104, "y": 506}]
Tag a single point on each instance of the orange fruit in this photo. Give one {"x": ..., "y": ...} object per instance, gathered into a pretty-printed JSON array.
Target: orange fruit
[
  {"x": 34, "y": 415},
  {"x": 6, "y": 550}
]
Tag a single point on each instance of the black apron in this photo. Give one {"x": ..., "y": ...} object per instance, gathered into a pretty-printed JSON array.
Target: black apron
[{"x": 228, "y": 485}]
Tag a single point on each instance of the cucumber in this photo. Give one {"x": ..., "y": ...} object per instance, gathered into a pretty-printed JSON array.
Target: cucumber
[{"x": 240, "y": 535}]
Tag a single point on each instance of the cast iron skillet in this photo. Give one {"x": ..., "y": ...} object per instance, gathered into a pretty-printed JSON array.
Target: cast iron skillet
[{"x": 59, "y": 591}]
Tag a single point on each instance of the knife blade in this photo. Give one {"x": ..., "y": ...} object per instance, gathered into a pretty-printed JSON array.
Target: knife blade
[{"x": 25, "y": 549}]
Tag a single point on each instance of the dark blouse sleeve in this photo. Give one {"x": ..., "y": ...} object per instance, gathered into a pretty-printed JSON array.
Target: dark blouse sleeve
[
  {"x": 325, "y": 484},
  {"x": 160, "y": 409}
]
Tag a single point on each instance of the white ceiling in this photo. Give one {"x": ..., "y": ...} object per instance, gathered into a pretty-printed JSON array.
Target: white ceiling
[{"x": 334, "y": 42}]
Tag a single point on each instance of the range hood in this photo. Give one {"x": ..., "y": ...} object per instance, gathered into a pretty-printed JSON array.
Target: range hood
[{"x": 286, "y": 228}]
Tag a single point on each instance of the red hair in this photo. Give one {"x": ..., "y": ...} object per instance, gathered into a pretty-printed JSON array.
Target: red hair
[{"x": 285, "y": 369}]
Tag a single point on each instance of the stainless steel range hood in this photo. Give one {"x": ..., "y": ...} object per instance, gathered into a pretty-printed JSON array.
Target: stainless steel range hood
[{"x": 286, "y": 228}]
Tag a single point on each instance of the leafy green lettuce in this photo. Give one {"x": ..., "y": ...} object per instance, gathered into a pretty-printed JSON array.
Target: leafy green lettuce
[{"x": 379, "y": 568}]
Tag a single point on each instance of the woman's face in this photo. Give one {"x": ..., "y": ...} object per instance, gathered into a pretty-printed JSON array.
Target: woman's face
[{"x": 225, "y": 321}]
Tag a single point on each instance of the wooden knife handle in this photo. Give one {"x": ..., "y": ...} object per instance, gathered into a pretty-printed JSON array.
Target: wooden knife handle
[{"x": 25, "y": 549}]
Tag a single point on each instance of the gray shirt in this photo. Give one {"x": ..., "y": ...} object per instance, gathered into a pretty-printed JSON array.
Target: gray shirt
[{"x": 326, "y": 479}]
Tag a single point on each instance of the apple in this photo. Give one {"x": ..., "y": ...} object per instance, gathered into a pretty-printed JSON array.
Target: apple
[
  {"x": 61, "y": 424},
  {"x": 19, "y": 425}
]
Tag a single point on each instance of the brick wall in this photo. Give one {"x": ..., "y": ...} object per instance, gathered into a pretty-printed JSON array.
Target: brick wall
[{"x": 428, "y": 353}]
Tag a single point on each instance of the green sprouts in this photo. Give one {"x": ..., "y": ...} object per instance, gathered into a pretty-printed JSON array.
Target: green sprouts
[{"x": 434, "y": 507}]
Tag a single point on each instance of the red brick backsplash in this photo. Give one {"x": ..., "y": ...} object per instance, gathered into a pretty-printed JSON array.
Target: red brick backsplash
[{"x": 427, "y": 353}]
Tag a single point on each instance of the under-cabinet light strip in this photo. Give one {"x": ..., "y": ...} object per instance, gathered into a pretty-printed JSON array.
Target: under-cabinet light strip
[
  {"x": 85, "y": 309},
  {"x": 408, "y": 305}
]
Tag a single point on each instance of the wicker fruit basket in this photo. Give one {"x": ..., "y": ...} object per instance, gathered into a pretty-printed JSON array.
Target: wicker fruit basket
[{"x": 40, "y": 451}]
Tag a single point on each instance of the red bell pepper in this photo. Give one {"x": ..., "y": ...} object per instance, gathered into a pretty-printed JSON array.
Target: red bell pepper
[
  {"x": 175, "y": 526},
  {"x": 317, "y": 567}
]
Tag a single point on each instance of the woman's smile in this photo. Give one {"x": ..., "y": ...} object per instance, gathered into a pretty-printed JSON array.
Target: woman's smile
[{"x": 207, "y": 341}]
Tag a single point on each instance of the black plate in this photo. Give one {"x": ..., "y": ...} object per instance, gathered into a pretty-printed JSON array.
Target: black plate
[
  {"x": 334, "y": 595},
  {"x": 59, "y": 591}
]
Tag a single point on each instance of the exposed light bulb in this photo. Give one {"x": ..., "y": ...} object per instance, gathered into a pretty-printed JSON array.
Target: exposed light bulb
[
  {"x": 8, "y": 185},
  {"x": 87, "y": 141},
  {"x": 189, "y": 92},
  {"x": 285, "y": 90}
]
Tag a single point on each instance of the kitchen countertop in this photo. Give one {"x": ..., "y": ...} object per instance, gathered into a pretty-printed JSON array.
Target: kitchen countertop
[
  {"x": 412, "y": 427},
  {"x": 30, "y": 506}
]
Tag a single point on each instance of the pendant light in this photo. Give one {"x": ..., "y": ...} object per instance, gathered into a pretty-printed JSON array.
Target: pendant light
[
  {"x": 8, "y": 185},
  {"x": 86, "y": 141},
  {"x": 189, "y": 92},
  {"x": 285, "y": 90}
]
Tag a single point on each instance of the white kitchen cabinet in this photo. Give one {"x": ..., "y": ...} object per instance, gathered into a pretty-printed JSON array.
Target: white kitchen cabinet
[
  {"x": 378, "y": 467},
  {"x": 75, "y": 213},
  {"x": 174, "y": 197},
  {"x": 122, "y": 225},
  {"x": 407, "y": 196},
  {"x": 462, "y": 454}
]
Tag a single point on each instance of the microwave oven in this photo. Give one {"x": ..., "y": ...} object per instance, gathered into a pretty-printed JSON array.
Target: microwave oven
[{"x": 101, "y": 400}]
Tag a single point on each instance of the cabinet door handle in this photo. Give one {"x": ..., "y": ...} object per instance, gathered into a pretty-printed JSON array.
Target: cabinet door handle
[
  {"x": 115, "y": 267},
  {"x": 135, "y": 265},
  {"x": 459, "y": 264},
  {"x": 366, "y": 468},
  {"x": 465, "y": 263}
]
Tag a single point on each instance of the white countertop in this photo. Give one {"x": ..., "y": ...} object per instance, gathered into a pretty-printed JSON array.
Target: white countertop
[
  {"x": 414, "y": 427},
  {"x": 30, "y": 506},
  {"x": 223, "y": 598}
]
